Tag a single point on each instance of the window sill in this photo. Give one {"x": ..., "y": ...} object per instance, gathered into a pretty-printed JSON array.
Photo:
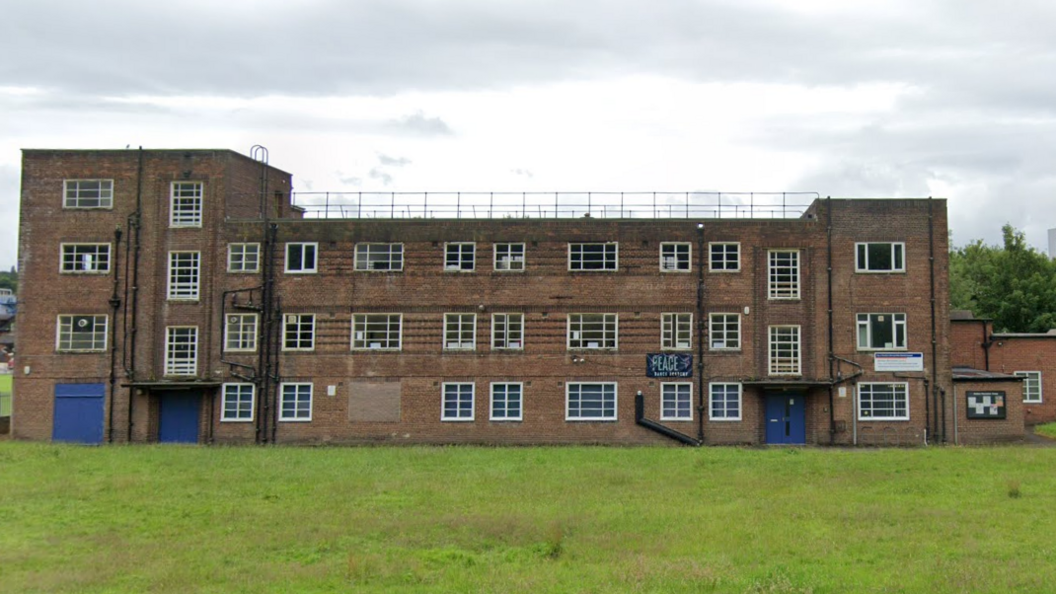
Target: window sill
[
  {"x": 86, "y": 272},
  {"x": 724, "y": 420},
  {"x": 882, "y": 419}
]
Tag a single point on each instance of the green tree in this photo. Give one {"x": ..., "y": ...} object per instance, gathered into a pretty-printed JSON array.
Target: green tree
[
  {"x": 9, "y": 280},
  {"x": 1013, "y": 284}
]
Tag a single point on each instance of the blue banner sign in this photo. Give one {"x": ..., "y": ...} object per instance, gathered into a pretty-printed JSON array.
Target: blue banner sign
[{"x": 669, "y": 365}]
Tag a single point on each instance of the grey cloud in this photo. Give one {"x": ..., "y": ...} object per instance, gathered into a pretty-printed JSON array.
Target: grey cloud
[
  {"x": 381, "y": 176},
  {"x": 418, "y": 124},
  {"x": 393, "y": 161},
  {"x": 9, "y": 184}
]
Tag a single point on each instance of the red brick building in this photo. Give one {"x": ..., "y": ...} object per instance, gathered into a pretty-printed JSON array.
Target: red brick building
[{"x": 180, "y": 296}]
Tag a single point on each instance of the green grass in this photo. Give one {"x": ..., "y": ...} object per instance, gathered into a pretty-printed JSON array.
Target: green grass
[
  {"x": 1048, "y": 430},
  {"x": 190, "y": 519},
  {"x": 5, "y": 400}
]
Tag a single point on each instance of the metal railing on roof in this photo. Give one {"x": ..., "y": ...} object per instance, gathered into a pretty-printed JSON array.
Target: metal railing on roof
[{"x": 553, "y": 205}]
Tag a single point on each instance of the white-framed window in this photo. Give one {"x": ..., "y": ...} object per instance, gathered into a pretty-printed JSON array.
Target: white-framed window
[
  {"x": 881, "y": 331},
  {"x": 237, "y": 403},
  {"x": 457, "y": 402},
  {"x": 181, "y": 350},
  {"x": 883, "y": 401},
  {"x": 460, "y": 256},
  {"x": 507, "y": 331},
  {"x": 676, "y": 402},
  {"x": 507, "y": 401},
  {"x": 186, "y": 204},
  {"x": 298, "y": 332},
  {"x": 1031, "y": 386},
  {"x": 724, "y": 331},
  {"x": 240, "y": 332},
  {"x": 184, "y": 274},
  {"x": 81, "y": 333},
  {"x": 725, "y": 401},
  {"x": 88, "y": 193},
  {"x": 382, "y": 257},
  {"x": 675, "y": 256},
  {"x": 724, "y": 256},
  {"x": 783, "y": 274},
  {"x": 590, "y": 401},
  {"x": 460, "y": 332},
  {"x": 377, "y": 332},
  {"x": 784, "y": 350},
  {"x": 243, "y": 257},
  {"x": 593, "y": 331},
  {"x": 85, "y": 258},
  {"x": 593, "y": 256},
  {"x": 880, "y": 257},
  {"x": 676, "y": 331},
  {"x": 509, "y": 257},
  {"x": 295, "y": 402},
  {"x": 302, "y": 258}
]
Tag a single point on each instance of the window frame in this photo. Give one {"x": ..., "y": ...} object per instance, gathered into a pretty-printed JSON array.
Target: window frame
[
  {"x": 604, "y": 259},
  {"x": 675, "y": 245},
  {"x": 858, "y": 402},
  {"x": 74, "y": 245},
  {"x": 364, "y": 248},
  {"x": 773, "y": 367},
  {"x": 459, "y": 248},
  {"x": 711, "y": 256},
  {"x": 775, "y": 290},
  {"x": 170, "y": 363},
  {"x": 230, "y": 258},
  {"x": 224, "y": 399},
  {"x": 109, "y": 198},
  {"x": 506, "y": 331},
  {"x": 1028, "y": 375},
  {"x": 713, "y": 331},
  {"x": 297, "y": 396},
  {"x": 725, "y": 416},
  {"x": 868, "y": 326},
  {"x": 184, "y": 220},
  {"x": 184, "y": 290},
  {"x": 459, "y": 330},
  {"x": 69, "y": 342},
  {"x": 506, "y": 396},
  {"x": 678, "y": 386},
  {"x": 302, "y": 244},
  {"x": 670, "y": 342},
  {"x": 615, "y": 402},
  {"x": 365, "y": 341},
  {"x": 866, "y": 270},
  {"x": 523, "y": 257},
  {"x": 605, "y": 331},
  {"x": 242, "y": 333},
  {"x": 285, "y": 329},
  {"x": 472, "y": 402}
]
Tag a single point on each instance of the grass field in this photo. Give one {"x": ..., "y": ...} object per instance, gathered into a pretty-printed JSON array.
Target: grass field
[
  {"x": 1048, "y": 430},
  {"x": 190, "y": 519},
  {"x": 5, "y": 394}
]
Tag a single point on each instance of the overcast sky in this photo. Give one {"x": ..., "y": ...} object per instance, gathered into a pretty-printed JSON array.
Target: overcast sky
[{"x": 944, "y": 98}]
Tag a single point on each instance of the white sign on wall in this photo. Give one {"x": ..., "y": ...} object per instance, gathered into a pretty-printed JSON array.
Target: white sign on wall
[{"x": 898, "y": 361}]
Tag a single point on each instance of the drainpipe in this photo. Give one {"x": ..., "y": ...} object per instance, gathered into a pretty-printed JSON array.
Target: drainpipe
[
  {"x": 639, "y": 418},
  {"x": 832, "y": 355},
  {"x": 934, "y": 340},
  {"x": 115, "y": 304},
  {"x": 986, "y": 347},
  {"x": 701, "y": 407},
  {"x": 135, "y": 222},
  {"x": 956, "y": 435}
]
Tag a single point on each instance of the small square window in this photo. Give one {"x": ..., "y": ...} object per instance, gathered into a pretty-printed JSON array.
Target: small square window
[
  {"x": 186, "y": 204},
  {"x": 460, "y": 332},
  {"x": 592, "y": 331},
  {"x": 507, "y": 331},
  {"x": 240, "y": 332},
  {"x": 301, "y": 258},
  {"x": 724, "y": 257},
  {"x": 725, "y": 402},
  {"x": 376, "y": 331},
  {"x": 81, "y": 333},
  {"x": 509, "y": 257},
  {"x": 379, "y": 257},
  {"x": 298, "y": 332},
  {"x": 593, "y": 256},
  {"x": 243, "y": 257},
  {"x": 85, "y": 258},
  {"x": 458, "y": 402},
  {"x": 460, "y": 257},
  {"x": 880, "y": 257},
  {"x": 506, "y": 401},
  {"x": 295, "y": 402},
  {"x": 237, "y": 404},
  {"x": 675, "y": 257},
  {"x": 676, "y": 402},
  {"x": 88, "y": 193},
  {"x": 676, "y": 331},
  {"x": 724, "y": 332},
  {"x": 881, "y": 331}
]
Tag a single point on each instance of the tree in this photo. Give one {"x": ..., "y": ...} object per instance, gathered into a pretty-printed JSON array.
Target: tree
[
  {"x": 9, "y": 280},
  {"x": 1014, "y": 285}
]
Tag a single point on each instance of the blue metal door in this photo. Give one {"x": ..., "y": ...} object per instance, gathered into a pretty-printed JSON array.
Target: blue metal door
[
  {"x": 178, "y": 417},
  {"x": 786, "y": 418},
  {"x": 78, "y": 414}
]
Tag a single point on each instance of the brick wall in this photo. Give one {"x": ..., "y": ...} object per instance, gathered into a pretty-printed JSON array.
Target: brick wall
[{"x": 984, "y": 431}]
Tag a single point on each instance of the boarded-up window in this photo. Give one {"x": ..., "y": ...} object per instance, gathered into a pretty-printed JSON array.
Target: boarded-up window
[{"x": 374, "y": 402}]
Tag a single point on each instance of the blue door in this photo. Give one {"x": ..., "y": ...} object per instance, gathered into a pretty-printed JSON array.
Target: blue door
[
  {"x": 178, "y": 417},
  {"x": 78, "y": 413},
  {"x": 786, "y": 418}
]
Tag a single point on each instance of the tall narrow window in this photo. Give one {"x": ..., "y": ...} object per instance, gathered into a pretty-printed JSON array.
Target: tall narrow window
[
  {"x": 240, "y": 332},
  {"x": 590, "y": 401},
  {"x": 676, "y": 402},
  {"x": 88, "y": 193},
  {"x": 725, "y": 402},
  {"x": 592, "y": 331},
  {"x": 81, "y": 333},
  {"x": 509, "y": 257},
  {"x": 186, "y": 204},
  {"x": 376, "y": 331},
  {"x": 725, "y": 257},
  {"x": 380, "y": 257},
  {"x": 593, "y": 256},
  {"x": 1031, "y": 386},
  {"x": 675, "y": 257},
  {"x": 460, "y": 332},
  {"x": 783, "y": 274},
  {"x": 460, "y": 257},
  {"x": 184, "y": 275},
  {"x": 458, "y": 402},
  {"x": 298, "y": 332},
  {"x": 507, "y": 331},
  {"x": 506, "y": 401},
  {"x": 181, "y": 350},
  {"x": 880, "y": 257},
  {"x": 85, "y": 258},
  {"x": 237, "y": 405},
  {"x": 243, "y": 257},
  {"x": 300, "y": 258},
  {"x": 784, "y": 350},
  {"x": 724, "y": 331},
  {"x": 676, "y": 331},
  {"x": 295, "y": 402},
  {"x": 882, "y": 331}
]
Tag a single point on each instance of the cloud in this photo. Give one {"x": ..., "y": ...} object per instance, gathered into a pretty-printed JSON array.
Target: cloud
[
  {"x": 393, "y": 161},
  {"x": 380, "y": 175},
  {"x": 418, "y": 124}
]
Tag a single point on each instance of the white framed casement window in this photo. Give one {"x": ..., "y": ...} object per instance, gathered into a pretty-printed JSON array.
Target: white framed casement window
[
  {"x": 880, "y": 257},
  {"x": 676, "y": 331},
  {"x": 507, "y": 331},
  {"x": 783, "y": 274},
  {"x": 81, "y": 333},
  {"x": 675, "y": 256},
  {"x": 507, "y": 401},
  {"x": 1031, "y": 386},
  {"x": 725, "y": 401},
  {"x": 85, "y": 258},
  {"x": 460, "y": 256},
  {"x": 883, "y": 401},
  {"x": 379, "y": 257},
  {"x": 724, "y": 256},
  {"x": 460, "y": 332},
  {"x": 240, "y": 332},
  {"x": 457, "y": 402},
  {"x": 298, "y": 332},
  {"x": 237, "y": 403},
  {"x": 881, "y": 331},
  {"x": 302, "y": 257},
  {"x": 724, "y": 331},
  {"x": 377, "y": 332},
  {"x": 88, "y": 193},
  {"x": 590, "y": 401},
  {"x": 509, "y": 257},
  {"x": 184, "y": 275},
  {"x": 181, "y": 350},
  {"x": 593, "y": 256},
  {"x": 243, "y": 257},
  {"x": 186, "y": 204},
  {"x": 676, "y": 401},
  {"x": 784, "y": 350},
  {"x": 295, "y": 402},
  {"x": 593, "y": 331}
]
